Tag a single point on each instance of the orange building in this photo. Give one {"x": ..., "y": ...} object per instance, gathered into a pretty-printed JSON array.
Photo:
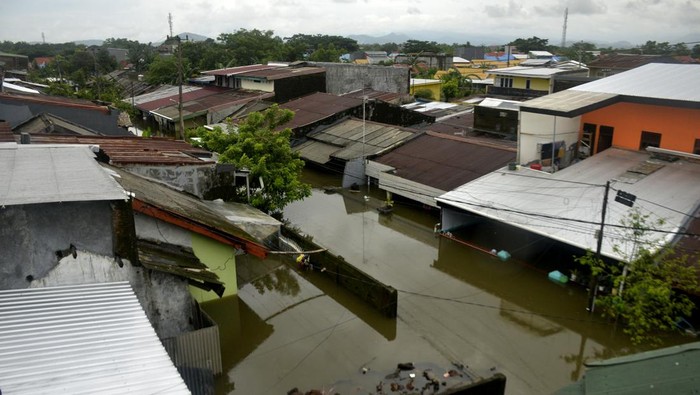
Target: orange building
[{"x": 631, "y": 110}]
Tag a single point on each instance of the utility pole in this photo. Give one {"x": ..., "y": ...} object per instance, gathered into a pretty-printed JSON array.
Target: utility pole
[
  {"x": 181, "y": 134},
  {"x": 593, "y": 284}
]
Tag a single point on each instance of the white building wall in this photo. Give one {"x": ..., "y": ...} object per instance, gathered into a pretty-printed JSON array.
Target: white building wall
[
  {"x": 255, "y": 85},
  {"x": 543, "y": 129}
]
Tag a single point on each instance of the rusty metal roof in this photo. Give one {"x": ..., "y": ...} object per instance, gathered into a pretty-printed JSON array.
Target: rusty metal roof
[
  {"x": 279, "y": 73},
  {"x": 204, "y": 217},
  {"x": 56, "y": 100},
  {"x": 171, "y": 97},
  {"x": 317, "y": 107},
  {"x": 629, "y": 61},
  {"x": 447, "y": 162},
  {"x": 219, "y": 101},
  {"x": 6, "y": 135},
  {"x": 353, "y": 138},
  {"x": 371, "y": 94},
  {"x": 135, "y": 150},
  {"x": 229, "y": 71}
]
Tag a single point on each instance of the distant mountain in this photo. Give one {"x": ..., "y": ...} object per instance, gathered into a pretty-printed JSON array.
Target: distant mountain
[
  {"x": 439, "y": 37},
  {"x": 387, "y": 38}
]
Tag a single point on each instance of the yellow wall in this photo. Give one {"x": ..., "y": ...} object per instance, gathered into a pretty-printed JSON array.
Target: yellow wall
[
  {"x": 435, "y": 88},
  {"x": 220, "y": 259}
]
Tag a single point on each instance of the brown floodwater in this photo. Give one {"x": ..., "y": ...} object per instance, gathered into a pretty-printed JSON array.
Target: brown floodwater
[{"x": 457, "y": 305}]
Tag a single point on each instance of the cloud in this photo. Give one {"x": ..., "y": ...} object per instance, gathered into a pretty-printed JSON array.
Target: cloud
[
  {"x": 586, "y": 7},
  {"x": 512, "y": 9},
  {"x": 641, "y": 4},
  {"x": 413, "y": 11}
]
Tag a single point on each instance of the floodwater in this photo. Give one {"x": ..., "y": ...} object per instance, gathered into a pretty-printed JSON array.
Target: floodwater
[{"x": 457, "y": 306}]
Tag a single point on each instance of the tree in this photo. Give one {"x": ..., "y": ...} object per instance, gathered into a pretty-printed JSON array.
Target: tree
[
  {"x": 323, "y": 54},
  {"x": 257, "y": 144},
  {"x": 648, "y": 291},
  {"x": 164, "y": 70},
  {"x": 531, "y": 44},
  {"x": 417, "y": 46},
  {"x": 251, "y": 46}
]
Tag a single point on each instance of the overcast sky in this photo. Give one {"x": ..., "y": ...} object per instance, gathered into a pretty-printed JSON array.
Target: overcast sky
[{"x": 635, "y": 21}]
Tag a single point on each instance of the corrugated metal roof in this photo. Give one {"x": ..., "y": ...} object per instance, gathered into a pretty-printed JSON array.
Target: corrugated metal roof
[
  {"x": 81, "y": 339},
  {"x": 644, "y": 82},
  {"x": 136, "y": 150},
  {"x": 6, "y": 135},
  {"x": 499, "y": 103},
  {"x": 671, "y": 370},
  {"x": 271, "y": 74},
  {"x": 389, "y": 97},
  {"x": 641, "y": 83},
  {"x": 629, "y": 61},
  {"x": 537, "y": 201},
  {"x": 523, "y": 71},
  {"x": 353, "y": 139},
  {"x": 218, "y": 101},
  {"x": 169, "y": 98},
  {"x": 229, "y": 71},
  {"x": 446, "y": 162},
  {"x": 59, "y": 173},
  {"x": 231, "y": 220},
  {"x": 317, "y": 107},
  {"x": 569, "y": 103}
]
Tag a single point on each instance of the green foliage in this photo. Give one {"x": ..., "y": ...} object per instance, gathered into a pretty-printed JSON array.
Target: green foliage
[
  {"x": 450, "y": 89},
  {"x": 251, "y": 46},
  {"x": 648, "y": 293},
  {"x": 531, "y": 44},
  {"x": 423, "y": 94},
  {"x": 163, "y": 70},
  {"x": 417, "y": 46},
  {"x": 256, "y": 144},
  {"x": 580, "y": 51},
  {"x": 329, "y": 54}
]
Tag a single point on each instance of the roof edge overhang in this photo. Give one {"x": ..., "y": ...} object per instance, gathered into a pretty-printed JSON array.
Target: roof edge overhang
[
  {"x": 464, "y": 206},
  {"x": 248, "y": 246},
  {"x": 610, "y": 101}
]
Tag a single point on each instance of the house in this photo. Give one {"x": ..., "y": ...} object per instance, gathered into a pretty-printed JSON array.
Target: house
[
  {"x": 202, "y": 237},
  {"x": 634, "y": 126},
  {"x": 42, "y": 61},
  {"x": 431, "y": 86},
  {"x": 630, "y": 110},
  {"x": 285, "y": 82},
  {"x": 18, "y": 108},
  {"x": 431, "y": 60},
  {"x": 201, "y": 105},
  {"x": 608, "y": 65},
  {"x": 433, "y": 163},
  {"x": 539, "y": 55},
  {"x": 13, "y": 65},
  {"x": 370, "y": 57},
  {"x": 522, "y": 81}
]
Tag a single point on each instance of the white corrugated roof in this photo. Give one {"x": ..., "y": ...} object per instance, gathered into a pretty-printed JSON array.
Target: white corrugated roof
[
  {"x": 53, "y": 173},
  {"x": 83, "y": 339},
  {"x": 500, "y": 103},
  {"x": 523, "y": 71},
  {"x": 653, "y": 80},
  {"x": 536, "y": 201}
]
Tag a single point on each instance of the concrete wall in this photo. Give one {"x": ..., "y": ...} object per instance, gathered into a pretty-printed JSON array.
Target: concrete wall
[
  {"x": 164, "y": 297},
  {"x": 196, "y": 180},
  {"x": 258, "y": 85},
  {"x": 343, "y": 78},
  {"x": 543, "y": 129},
  {"x": 31, "y": 235}
]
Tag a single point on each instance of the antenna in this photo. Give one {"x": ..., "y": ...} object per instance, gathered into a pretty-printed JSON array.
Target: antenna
[
  {"x": 170, "y": 22},
  {"x": 563, "y": 33},
  {"x": 43, "y": 38}
]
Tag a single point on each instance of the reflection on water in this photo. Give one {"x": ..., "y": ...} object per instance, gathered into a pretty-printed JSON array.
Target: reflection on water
[
  {"x": 280, "y": 281},
  {"x": 241, "y": 331},
  {"x": 481, "y": 311}
]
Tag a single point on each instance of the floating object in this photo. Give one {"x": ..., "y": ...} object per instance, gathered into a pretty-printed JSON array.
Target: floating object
[
  {"x": 503, "y": 255},
  {"x": 558, "y": 277}
]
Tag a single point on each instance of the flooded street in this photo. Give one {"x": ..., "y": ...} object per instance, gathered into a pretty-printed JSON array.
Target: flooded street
[{"x": 289, "y": 329}]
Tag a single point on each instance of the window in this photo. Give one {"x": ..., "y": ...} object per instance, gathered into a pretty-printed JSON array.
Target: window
[
  {"x": 650, "y": 139},
  {"x": 527, "y": 84},
  {"x": 506, "y": 82},
  {"x": 696, "y": 149}
]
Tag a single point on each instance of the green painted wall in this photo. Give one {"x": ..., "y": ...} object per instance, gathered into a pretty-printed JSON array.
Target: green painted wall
[{"x": 221, "y": 259}]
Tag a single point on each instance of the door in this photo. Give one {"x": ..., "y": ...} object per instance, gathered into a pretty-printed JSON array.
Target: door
[
  {"x": 649, "y": 139},
  {"x": 605, "y": 138}
]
